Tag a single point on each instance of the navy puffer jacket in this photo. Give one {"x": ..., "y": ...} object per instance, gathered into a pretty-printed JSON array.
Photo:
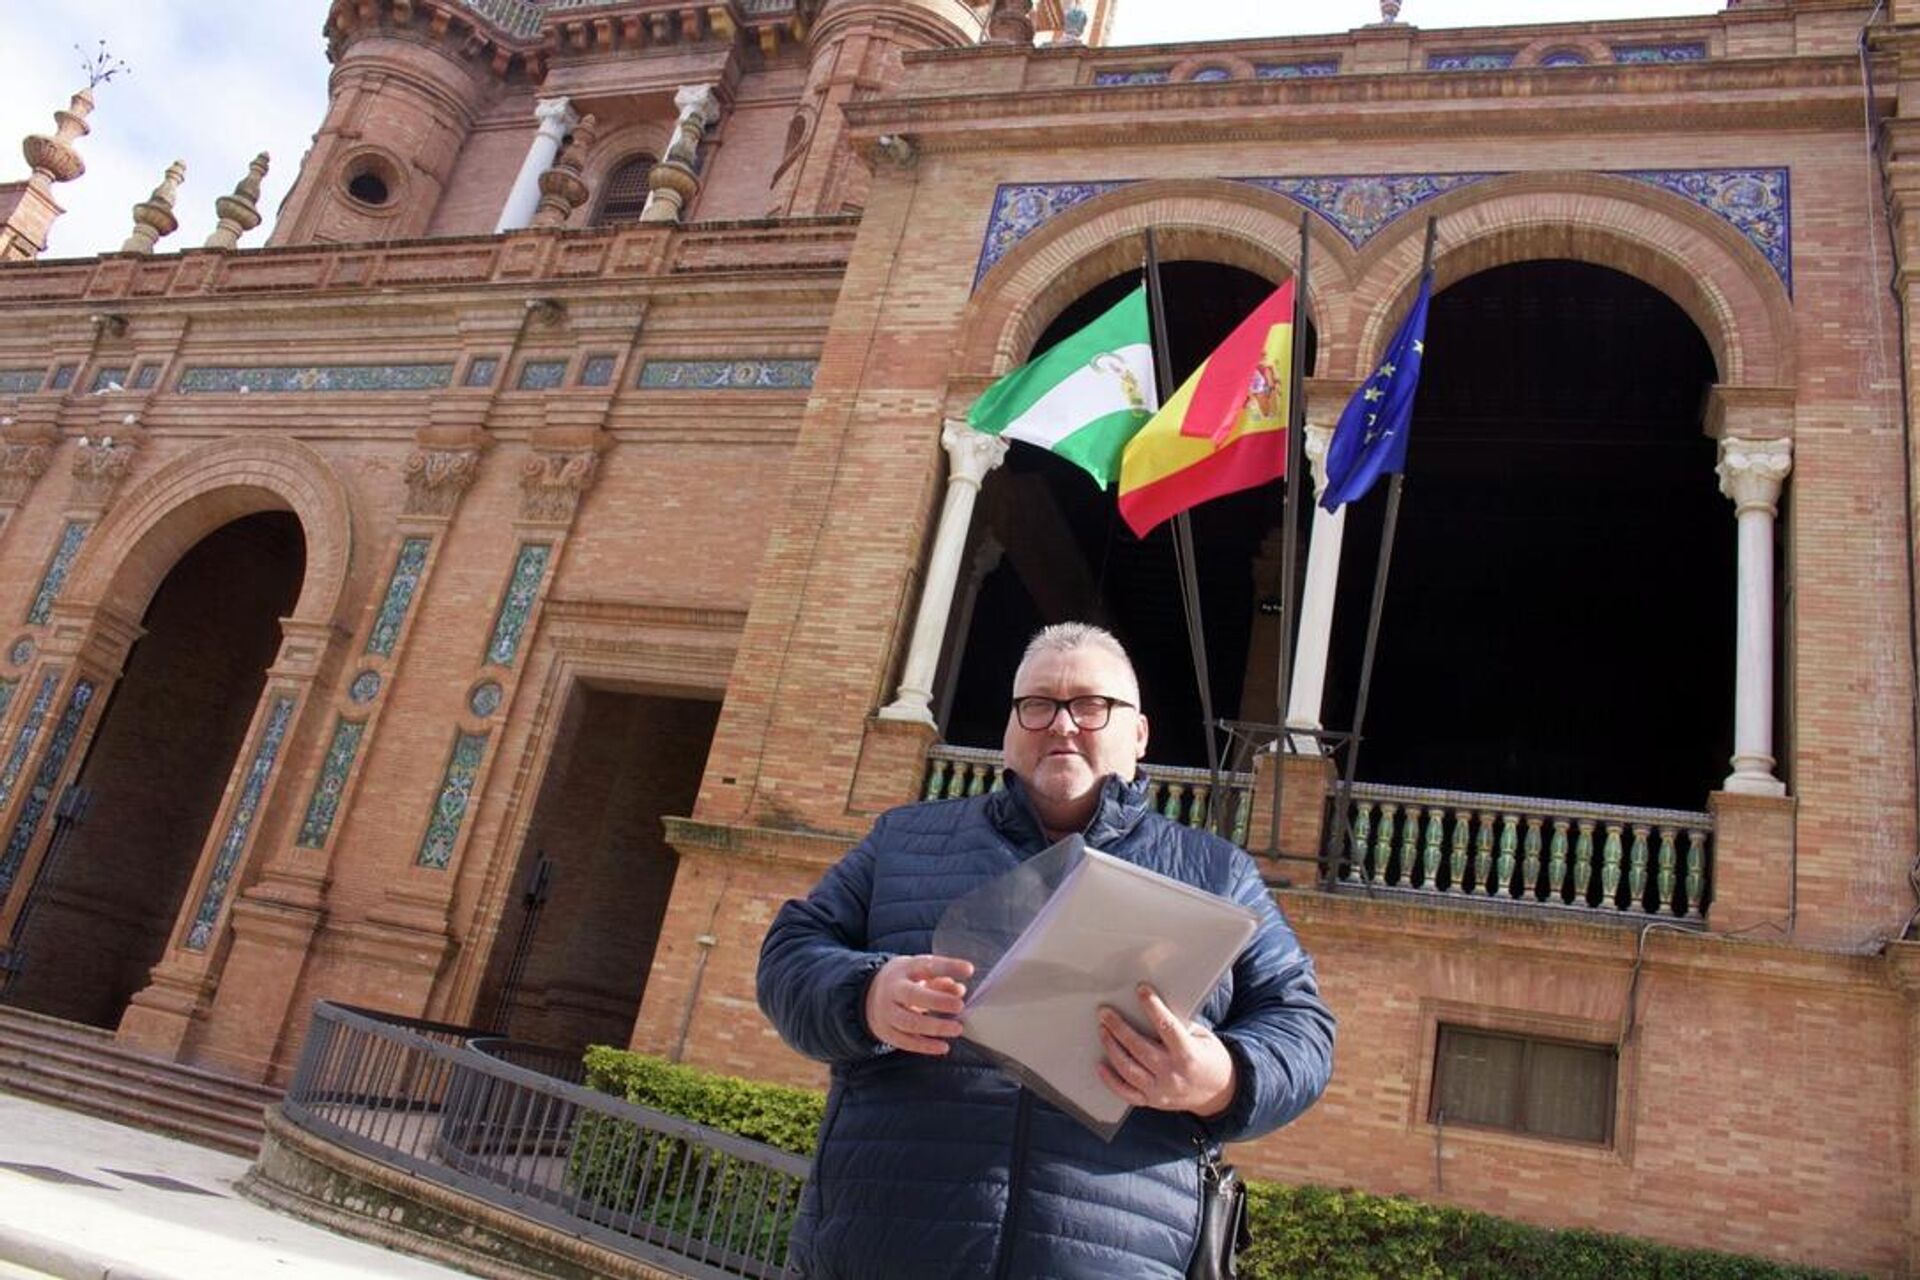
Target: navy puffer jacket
[{"x": 945, "y": 1166}]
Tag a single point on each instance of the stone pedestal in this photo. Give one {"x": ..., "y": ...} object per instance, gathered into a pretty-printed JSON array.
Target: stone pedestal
[
  {"x": 1752, "y": 861},
  {"x": 1306, "y": 783},
  {"x": 273, "y": 928},
  {"x": 893, "y": 761}
]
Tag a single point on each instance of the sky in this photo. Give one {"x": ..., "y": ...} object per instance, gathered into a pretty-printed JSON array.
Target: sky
[{"x": 213, "y": 82}]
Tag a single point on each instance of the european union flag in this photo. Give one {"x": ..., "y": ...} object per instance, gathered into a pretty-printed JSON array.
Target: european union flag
[{"x": 1371, "y": 437}]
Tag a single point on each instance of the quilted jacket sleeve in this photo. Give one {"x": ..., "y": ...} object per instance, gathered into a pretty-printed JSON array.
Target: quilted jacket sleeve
[
  {"x": 1277, "y": 1028},
  {"x": 814, "y": 966}
]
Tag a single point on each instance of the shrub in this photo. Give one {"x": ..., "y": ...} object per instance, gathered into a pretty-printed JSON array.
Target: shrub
[{"x": 1299, "y": 1233}]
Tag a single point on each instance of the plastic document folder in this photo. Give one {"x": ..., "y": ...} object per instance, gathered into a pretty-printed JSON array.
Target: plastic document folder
[{"x": 1069, "y": 931}]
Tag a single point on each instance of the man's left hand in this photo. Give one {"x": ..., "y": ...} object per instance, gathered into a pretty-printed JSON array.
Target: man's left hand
[{"x": 1178, "y": 1068}]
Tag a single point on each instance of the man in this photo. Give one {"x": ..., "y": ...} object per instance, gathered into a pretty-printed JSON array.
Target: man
[{"x": 931, "y": 1161}]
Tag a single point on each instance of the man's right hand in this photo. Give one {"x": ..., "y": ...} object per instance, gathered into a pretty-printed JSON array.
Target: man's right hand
[{"x": 914, "y": 1002}]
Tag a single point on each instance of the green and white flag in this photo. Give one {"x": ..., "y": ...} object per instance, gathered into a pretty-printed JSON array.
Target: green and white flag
[{"x": 1085, "y": 397}]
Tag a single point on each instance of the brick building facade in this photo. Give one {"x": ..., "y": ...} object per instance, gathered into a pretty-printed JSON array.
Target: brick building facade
[{"x": 489, "y": 600}]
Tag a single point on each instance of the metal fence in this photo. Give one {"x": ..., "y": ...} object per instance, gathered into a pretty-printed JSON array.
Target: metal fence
[{"x": 460, "y": 1110}]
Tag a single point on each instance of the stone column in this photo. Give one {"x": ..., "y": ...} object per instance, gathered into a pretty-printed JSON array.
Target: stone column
[
  {"x": 1751, "y": 473},
  {"x": 556, "y": 119},
  {"x": 1309, "y": 683},
  {"x": 673, "y": 181},
  {"x": 971, "y": 456}
]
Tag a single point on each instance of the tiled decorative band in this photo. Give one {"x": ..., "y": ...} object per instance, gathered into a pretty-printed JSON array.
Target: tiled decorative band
[
  {"x": 450, "y": 804},
  {"x": 240, "y": 824},
  {"x": 324, "y": 805},
  {"x": 55, "y": 577},
  {"x": 728, "y": 375},
  {"x": 338, "y": 377},
  {"x": 46, "y": 782}
]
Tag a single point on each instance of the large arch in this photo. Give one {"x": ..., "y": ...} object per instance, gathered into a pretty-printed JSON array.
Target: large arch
[
  {"x": 1228, "y": 223},
  {"x": 1722, "y": 282},
  {"x": 148, "y": 531}
]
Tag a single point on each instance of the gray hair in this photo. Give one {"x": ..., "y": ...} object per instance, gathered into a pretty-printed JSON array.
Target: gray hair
[{"x": 1065, "y": 637}]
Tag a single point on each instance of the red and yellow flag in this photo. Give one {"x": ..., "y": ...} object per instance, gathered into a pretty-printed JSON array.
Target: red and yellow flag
[{"x": 1225, "y": 429}]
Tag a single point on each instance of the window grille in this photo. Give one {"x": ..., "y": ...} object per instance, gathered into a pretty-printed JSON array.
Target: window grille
[{"x": 626, "y": 193}]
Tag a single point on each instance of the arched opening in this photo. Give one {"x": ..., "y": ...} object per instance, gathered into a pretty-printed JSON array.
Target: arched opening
[
  {"x": 1046, "y": 545},
  {"x": 625, "y": 191},
  {"x": 1559, "y": 615},
  {"x": 578, "y": 930},
  {"x": 129, "y": 833}
]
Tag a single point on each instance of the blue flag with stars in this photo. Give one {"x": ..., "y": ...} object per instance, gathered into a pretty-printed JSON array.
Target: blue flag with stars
[{"x": 1371, "y": 437}]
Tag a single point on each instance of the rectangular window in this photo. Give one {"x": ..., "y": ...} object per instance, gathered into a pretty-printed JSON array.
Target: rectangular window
[{"x": 1544, "y": 1088}]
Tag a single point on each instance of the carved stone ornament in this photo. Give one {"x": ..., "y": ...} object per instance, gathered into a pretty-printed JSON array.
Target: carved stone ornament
[
  {"x": 153, "y": 217},
  {"x": 672, "y": 182},
  {"x": 436, "y": 478},
  {"x": 20, "y": 466},
  {"x": 1010, "y": 22},
  {"x": 970, "y": 454},
  {"x": 1752, "y": 471},
  {"x": 99, "y": 467},
  {"x": 562, "y": 189},
  {"x": 551, "y": 484}
]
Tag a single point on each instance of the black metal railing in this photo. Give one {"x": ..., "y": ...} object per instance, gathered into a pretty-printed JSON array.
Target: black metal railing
[{"x": 479, "y": 1114}]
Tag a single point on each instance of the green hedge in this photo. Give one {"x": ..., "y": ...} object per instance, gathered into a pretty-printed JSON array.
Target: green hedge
[{"x": 1298, "y": 1232}]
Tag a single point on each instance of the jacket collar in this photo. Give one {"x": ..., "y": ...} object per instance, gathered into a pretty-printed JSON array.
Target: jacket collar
[{"x": 1120, "y": 808}]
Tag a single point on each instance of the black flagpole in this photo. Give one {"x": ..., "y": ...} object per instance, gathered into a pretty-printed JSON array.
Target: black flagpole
[
  {"x": 1289, "y": 533},
  {"x": 1343, "y": 832},
  {"x": 1184, "y": 561}
]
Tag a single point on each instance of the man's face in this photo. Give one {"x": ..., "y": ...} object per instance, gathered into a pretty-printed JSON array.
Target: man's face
[{"x": 1063, "y": 764}]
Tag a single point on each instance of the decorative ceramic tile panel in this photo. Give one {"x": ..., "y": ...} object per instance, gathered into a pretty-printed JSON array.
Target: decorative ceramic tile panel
[
  {"x": 597, "y": 372},
  {"x": 1145, "y": 75},
  {"x": 22, "y": 748},
  {"x": 450, "y": 805},
  {"x": 1021, "y": 208},
  {"x": 45, "y": 783},
  {"x": 365, "y": 687},
  {"x": 109, "y": 378},
  {"x": 1481, "y": 60},
  {"x": 323, "y": 806},
  {"x": 1296, "y": 70},
  {"x": 8, "y": 687},
  {"x": 240, "y": 823},
  {"x": 1564, "y": 58},
  {"x": 146, "y": 376},
  {"x": 338, "y": 377},
  {"x": 481, "y": 371},
  {"x": 1211, "y": 75},
  {"x": 14, "y": 382},
  {"x": 63, "y": 376},
  {"x": 727, "y": 375},
  {"x": 55, "y": 577},
  {"x": 523, "y": 588},
  {"x": 1359, "y": 205},
  {"x": 20, "y": 651},
  {"x": 407, "y": 568},
  {"x": 542, "y": 375},
  {"x": 1757, "y": 202},
  {"x": 1687, "y": 51},
  {"x": 483, "y": 701}
]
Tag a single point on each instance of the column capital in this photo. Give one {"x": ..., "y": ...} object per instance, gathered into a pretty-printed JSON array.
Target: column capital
[
  {"x": 555, "y": 115},
  {"x": 1752, "y": 471},
  {"x": 971, "y": 453},
  {"x": 1318, "y": 438}
]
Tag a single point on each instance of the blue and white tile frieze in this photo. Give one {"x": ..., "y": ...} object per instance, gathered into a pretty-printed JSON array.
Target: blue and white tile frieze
[
  {"x": 1480, "y": 60},
  {"x": 1311, "y": 69},
  {"x": 17, "y": 382},
  {"x": 23, "y": 747},
  {"x": 401, "y": 588},
  {"x": 727, "y": 375},
  {"x": 1687, "y": 51},
  {"x": 523, "y": 588},
  {"x": 323, "y": 806},
  {"x": 55, "y": 577},
  {"x": 240, "y": 823},
  {"x": 1755, "y": 202},
  {"x": 294, "y": 378},
  {"x": 1136, "y": 75},
  {"x": 45, "y": 782},
  {"x": 450, "y": 804}
]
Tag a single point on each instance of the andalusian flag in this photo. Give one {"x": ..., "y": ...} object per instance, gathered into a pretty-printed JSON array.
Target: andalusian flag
[
  {"x": 1085, "y": 397},
  {"x": 1225, "y": 429}
]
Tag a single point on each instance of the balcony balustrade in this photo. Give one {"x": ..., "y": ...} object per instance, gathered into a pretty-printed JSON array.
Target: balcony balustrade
[{"x": 1449, "y": 846}]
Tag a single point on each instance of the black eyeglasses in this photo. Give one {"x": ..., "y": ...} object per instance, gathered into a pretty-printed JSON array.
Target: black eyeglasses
[{"x": 1088, "y": 711}]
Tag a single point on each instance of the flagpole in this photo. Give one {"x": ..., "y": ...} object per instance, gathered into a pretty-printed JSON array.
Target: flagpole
[
  {"x": 1289, "y": 533},
  {"x": 1185, "y": 565},
  {"x": 1343, "y": 805}
]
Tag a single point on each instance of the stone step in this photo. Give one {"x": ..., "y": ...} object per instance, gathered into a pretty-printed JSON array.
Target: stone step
[{"x": 81, "y": 1068}]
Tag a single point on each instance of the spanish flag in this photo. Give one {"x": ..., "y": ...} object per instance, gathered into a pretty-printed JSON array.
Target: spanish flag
[{"x": 1225, "y": 429}]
